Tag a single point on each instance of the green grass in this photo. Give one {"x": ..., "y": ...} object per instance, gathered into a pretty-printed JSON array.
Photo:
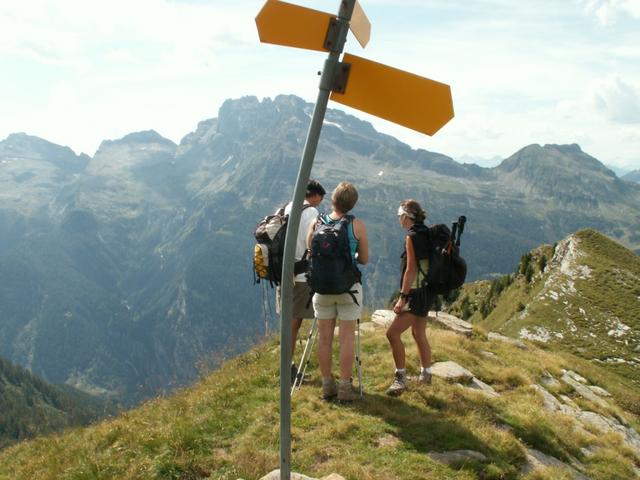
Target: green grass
[
  {"x": 227, "y": 425},
  {"x": 580, "y": 313}
]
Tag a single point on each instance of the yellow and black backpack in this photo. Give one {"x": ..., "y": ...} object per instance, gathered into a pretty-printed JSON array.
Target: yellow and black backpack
[{"x": 268, "y": 251}]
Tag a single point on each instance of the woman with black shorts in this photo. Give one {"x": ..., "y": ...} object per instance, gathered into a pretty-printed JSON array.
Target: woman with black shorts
[{"x": 414, "y": 302}]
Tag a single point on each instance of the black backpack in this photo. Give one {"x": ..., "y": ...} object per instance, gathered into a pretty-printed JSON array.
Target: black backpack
[
  {"x": 268, "y": 253},
  {"x": 331, "y": 268},
  {"x": 447, "y": 269}
]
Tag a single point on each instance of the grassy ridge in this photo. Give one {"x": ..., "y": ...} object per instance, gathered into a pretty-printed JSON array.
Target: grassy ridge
[
  {"x": 226, "y": 427},
  {"x": 30, "y": 407},
  {"x": 589, "y": 306}
]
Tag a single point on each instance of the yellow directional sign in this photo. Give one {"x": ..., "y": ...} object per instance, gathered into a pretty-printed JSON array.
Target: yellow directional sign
[
  {"x": 284, "y": 23},
  {"x": 401, "y": 97},
  {"x": 287, "y": 24}
]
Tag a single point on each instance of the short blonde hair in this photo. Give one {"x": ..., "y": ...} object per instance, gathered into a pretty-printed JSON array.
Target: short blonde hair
[{"x": 344, "y": 197}]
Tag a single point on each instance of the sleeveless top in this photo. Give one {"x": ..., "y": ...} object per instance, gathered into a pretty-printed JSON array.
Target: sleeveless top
[{"x": 419, "y": 234}]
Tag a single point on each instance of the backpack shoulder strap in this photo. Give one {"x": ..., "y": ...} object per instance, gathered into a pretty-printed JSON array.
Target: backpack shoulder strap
[{"x": 323, "y": 219}]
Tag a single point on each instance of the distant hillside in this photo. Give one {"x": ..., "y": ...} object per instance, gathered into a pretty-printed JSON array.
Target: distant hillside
[
  {"x": 226, "y": 427},
  {"x": 30, "y": 407},
  {"x": 633, "y": 176},
  {"x": 582, "y": 296},
  {"x": 140, "y": 256}
]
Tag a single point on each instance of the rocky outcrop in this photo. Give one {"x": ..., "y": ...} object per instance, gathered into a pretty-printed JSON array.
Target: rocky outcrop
[
  {"x": 451, "y": 322},
  {"x": 275, "y": 475},
  {"x": 537, "y": 460},
  {"x": 501, "y": 338},
  {"x": 451, "y": 372},
  {"x": 593, "y": 421},
  {"x": 383, "y": 317},
  {"x": 454, "y": 373}
]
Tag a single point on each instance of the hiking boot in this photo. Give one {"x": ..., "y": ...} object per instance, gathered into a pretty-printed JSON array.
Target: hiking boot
[
  {"x": 329, "y": 390},
  {"x": 398, "y": 386},
  {"x": 345, "y": 391},
  {"x": 425, "y": 378}
]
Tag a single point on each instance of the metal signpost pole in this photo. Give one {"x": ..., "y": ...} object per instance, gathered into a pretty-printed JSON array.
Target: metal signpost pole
[{"x": 326, "y": 84}]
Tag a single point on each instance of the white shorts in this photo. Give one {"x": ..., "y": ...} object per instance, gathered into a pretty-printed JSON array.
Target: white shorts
[{"x": 339, "y": 306}]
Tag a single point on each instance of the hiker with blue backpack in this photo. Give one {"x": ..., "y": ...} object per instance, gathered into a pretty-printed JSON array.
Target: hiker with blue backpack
[
  {"x": 337, "y": 243},
  {"x": 414, "y": 301}
]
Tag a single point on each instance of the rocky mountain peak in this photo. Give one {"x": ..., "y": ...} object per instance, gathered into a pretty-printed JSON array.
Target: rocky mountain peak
[
  {"x": 137, "y": 139},
  {"x": 563, "y": 171},
  {"x": 633, "y": 176},
  {"x": 23, "y": 147},
  {"x": 534, "y": 157}
]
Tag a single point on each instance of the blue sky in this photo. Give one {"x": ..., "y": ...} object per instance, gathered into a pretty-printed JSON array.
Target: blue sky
[{"x": 549, "y": 71}]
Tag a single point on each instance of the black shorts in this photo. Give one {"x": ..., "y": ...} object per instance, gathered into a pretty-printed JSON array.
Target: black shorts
[{"x": 420, "y": 301}]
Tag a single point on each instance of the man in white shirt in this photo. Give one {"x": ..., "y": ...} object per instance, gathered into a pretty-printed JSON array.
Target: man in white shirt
[{"x": 302, "y": 307}]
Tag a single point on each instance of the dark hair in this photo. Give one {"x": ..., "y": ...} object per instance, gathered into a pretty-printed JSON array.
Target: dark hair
[
  {"x": 314, "y": 187},
  {"x": 344, "y": 197},
  {"x": 414, "y": 209}
]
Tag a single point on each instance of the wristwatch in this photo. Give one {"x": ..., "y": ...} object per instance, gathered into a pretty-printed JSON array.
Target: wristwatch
[{"x": 404, "y": 296}]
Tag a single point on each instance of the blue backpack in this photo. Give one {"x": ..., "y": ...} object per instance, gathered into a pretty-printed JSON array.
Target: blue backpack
[{"x": 331, "y": 269}]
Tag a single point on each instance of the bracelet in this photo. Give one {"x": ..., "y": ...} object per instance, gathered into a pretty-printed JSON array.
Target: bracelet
[{"x": 404, "y": 296}]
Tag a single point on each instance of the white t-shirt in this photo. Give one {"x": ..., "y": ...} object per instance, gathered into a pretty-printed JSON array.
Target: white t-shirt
[{"x": 308, "y": 217}]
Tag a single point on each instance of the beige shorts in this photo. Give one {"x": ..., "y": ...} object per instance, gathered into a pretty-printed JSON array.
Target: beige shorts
[
  {"x": 339, "y": 306},
  {"x": 301, "y": 296}
]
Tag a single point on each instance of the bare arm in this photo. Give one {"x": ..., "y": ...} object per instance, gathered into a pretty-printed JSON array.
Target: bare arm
[
  {"x": 310, "y": 234},
  {"x": 411, "y": 270},
  {"x": 409, "y": 275},
  {"x": 360, "y": 232}
]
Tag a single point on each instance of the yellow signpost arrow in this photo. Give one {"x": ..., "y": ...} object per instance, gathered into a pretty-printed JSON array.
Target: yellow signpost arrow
[
  {"x": 287, "y": 24},
  {"x": 291, "y": 25},
  {"x": 401, "y": 97}
]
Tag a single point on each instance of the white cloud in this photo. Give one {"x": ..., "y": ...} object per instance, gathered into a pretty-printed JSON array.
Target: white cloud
[
  {"x": 120, "y": 55},
  {"x": 618, "y": 101},
  {"x": 77, "y": 72},
  {"x": 608, "y": 12}
]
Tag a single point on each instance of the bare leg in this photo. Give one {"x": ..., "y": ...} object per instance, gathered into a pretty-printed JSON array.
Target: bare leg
[
  {"x": 347, "y": 337},
  {"x": 402, "y": 321},
  {"x": 325, "y": 339},
  {"x": 419, "y": 332},
  {"x": 295, "y": 328}
]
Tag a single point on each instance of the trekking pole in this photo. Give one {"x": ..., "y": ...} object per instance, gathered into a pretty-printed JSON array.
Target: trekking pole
[
  {"x": 452, "y": 238},
  {"x": 306, "y": 364},
  {"x": 306, "y": 356},
  {"x": 358, "y": 362},
  {"x": 461, "y": 221}
]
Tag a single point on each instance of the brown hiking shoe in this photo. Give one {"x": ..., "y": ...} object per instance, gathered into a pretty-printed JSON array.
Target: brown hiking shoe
[
  {"x": 345, "y": 391},
  {"x": 398, "y": 386},
  {"x": 329, "y": 390},
  {"x": 425, "y": 378}
]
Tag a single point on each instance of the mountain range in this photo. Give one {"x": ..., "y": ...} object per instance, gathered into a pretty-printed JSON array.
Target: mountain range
[
  {"x": 129, "y": 272},
  {"x": 633, "y": 176}
]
